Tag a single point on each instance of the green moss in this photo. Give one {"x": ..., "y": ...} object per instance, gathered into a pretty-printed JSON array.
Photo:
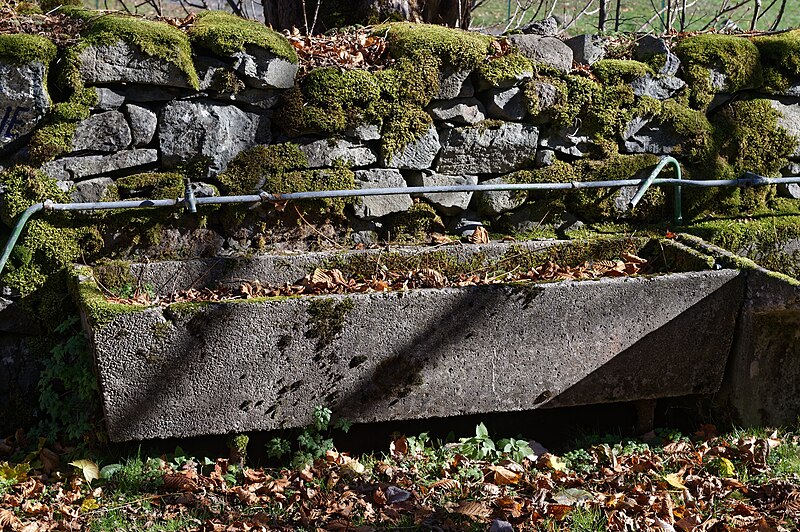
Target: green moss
[
  {"x": 251, "y": 168},
  {"x": 225, "y": 34},
  {"x": 28, "y": 8},
  {"x": 156, "y": 39},
  {"x": 23, "y": 186},
  {"x": 405, "y": 124},
  {"x": 411, "y": 79},
  {"x": 21, "y": 49},
  {"x": 736, "y": 57},
  {"x": 533, "y": 91},
  {"x": 99, "y": 311},
  {"x": 152, "y": 185},
  {"x": 767, "y": 241},
  {"x": 54, "y": 138},
  {"x": 50, "y": 5},
  {"x": 780, "y": 52},
  {"x": 114, "y": 275},
  {"x": 616, "y": 71},
  {"x": 326, "y": 319},
  {"x": 505, "y": 68},
  {"x": 688, "y": 123},
  {"x": 417, "y": 222},
  {"x": 461, "y": 49}
]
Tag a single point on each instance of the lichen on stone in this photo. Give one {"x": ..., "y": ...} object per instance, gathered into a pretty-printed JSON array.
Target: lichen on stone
[{"x": 225, "y": 34}]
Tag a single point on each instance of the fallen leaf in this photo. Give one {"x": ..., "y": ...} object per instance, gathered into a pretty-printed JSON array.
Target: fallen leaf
[
  {"x": 503, "y": 476},
  {"x": 675, "y": 481},
  {"x": 479, "y": 236},
  {"x": 475, "y": 510},
  {"x": 88, "y": 468}
]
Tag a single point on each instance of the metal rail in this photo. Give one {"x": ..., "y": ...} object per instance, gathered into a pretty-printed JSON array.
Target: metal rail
[{"x": 191, "y": 202}]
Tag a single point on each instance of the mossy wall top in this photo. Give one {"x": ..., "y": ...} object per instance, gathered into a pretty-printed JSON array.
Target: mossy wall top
[{"x": 229, "y": 104}]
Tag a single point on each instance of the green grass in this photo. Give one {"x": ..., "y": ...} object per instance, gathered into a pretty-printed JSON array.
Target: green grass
[{"x": 634, "y": 15}]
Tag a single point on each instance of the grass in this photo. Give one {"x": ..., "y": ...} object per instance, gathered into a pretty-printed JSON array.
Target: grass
[{"x": 634, "y": 14}]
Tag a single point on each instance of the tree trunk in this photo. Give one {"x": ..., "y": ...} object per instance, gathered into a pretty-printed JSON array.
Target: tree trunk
[{"x": 285, "y": 14}]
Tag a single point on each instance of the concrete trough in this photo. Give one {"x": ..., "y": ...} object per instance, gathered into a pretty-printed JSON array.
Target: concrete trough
[{"x": 210, "y": 368}]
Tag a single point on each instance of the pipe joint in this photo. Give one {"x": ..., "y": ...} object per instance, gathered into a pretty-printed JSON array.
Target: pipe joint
[{"x": 190, "y": 200}]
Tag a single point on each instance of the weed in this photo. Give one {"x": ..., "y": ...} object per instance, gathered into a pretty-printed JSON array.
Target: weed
[{"x": 312, "y": 441}]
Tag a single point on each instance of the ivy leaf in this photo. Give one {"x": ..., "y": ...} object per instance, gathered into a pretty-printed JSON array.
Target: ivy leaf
[
  {"x": 108, "y": 471},
  {"x": 88, "y": 468}
]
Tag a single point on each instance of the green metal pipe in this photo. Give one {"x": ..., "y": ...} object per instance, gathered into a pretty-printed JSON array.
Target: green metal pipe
[
  {"x": 12, "y": 240},
  {"x": 678, "y": 212}
]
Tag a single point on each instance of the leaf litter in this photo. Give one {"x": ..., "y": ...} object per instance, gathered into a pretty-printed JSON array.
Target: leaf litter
[
  {"x": 673, "y": 485},
  {"x": 334, "y": 281}
]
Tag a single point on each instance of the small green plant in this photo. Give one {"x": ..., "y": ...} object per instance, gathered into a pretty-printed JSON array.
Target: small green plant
[
  {"x": 482, "y": 447},
  {"x": 312, "y": 442}
]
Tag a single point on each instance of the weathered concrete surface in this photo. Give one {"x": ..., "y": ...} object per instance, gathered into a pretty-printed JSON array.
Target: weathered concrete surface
[{"x": 215, "y": 368}]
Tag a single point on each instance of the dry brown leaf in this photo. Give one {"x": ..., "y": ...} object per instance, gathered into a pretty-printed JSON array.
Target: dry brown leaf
[
  {"x": 246, "y": 497},
  {"x": 479, "y": 236},
  {"x": 503, "y": 476},
  {"x": 473, "y": 509},
  {"x": 8, "y": 520}
]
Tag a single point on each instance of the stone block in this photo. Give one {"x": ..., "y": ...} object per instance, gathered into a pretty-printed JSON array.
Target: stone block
[
  {"x": 448, "y": 203},
  {"x": 121, "y": 62},
  {"x": 474, "y": 150},
  {"x": 24, "y": 100},
  {"x": 372, "y": 207}
]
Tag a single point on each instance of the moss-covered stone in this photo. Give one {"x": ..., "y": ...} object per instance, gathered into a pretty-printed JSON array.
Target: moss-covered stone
[
  {"x": 251, "y": 168},
  {"x": 780, "y": 56},
  {"x": 155, "y": 39},
  {"x": 458, "y": 48},
  {"x": 416, "y": 223},
  {"x": 404, "y": 124},
  {"x": 737, "y": 57},
  {"x": 21, "y": 49},
  {"x": 93, "y": 302},
  {"x": 688, "y": 123},
  {"x": 225, "y": 34},
  {"x": 504, "y": 68},
  {"x": 616, "y": 71},
  {"x": 413, "y": 79},
  {"x": 23, "y": 186},
  {"x": 152, "y": 185}
]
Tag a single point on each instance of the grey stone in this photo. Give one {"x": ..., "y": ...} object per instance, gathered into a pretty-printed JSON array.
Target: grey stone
[
  {"x": 545, "y": 158},
  {"x": 76, "y": 168},
  {"x": 789, "y": 190},
  {"x": 121, "y": 62},
  {"x": 91, "y": 190},
  {"x": 789, "y": 120},
  {"x": 417, "y": 155},
  {"x": 660, "y": 87},
  {"x": 365, "y": 132},
  {"x": 214, "y": 74},
  {"x": 546, "y": 50},
  {"x": 263, "y": 99},
  {"x": 143, "y": 124},
  {"x": 791, "y": 169},
  {"x": 507, "y": 104},
  {"x": 547, "y": 95},
  {"x": 517, "y": 81},
  {"x": 204, "y": 190},
  {"x": 23, "y": 100},
  {"x": 263, "y": 70},
  {"x": 448, "y": 203},
  {"x": 325, "y": 152},
  {"x": 148, "y": 94},
  {"x": 495, "y": 202},
  {"x": 498, "y": 525},
  {"x": 718, "y": 78},
  {"x": 473, "y": 150},
  {"x": 107, "y": 132},
  {"x": 586, "y": 49},
  {"x": 548, "y": 27},
  {"x": 650, "y": 46},
  {"x": 569, "y": 141},
  {"x": 16, "y": 319},
  {"x": 108, "y": 99},
  {"x": 793, "y": 90},
  {"x": 454, "y": 84},
  {"x": 464, "y": 224},
  {"x": 462, "y": 112},
  {"x": 189, "y": 131},
  {"x": 372, "y": 207},
  {"x": 596, "y": 354},
  {"x": 647, "y": 135}
]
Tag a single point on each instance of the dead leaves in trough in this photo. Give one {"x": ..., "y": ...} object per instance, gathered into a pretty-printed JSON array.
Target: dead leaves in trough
[
  {"x": 334, "y": 281},
  {"x": 705, "y": 484}
]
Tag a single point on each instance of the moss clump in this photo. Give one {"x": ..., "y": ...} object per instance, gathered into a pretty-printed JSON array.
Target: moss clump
[
  {"x": 404, "y": 124},
  {"x": 156, "y": 39},
  {"x": 411, "y": 79},
  {"x": 780, "y": 56},
  {"x": 688, "y": 123},
  {"x": 21, "y": 49},
  {"x": 54, "y": 138},
  {"x": 461, "y": 49},
  {"x": 250, "y": 169},
  {"x": 736, "y": 57},
  {"x": 505, "y": 68},
  {"x": 152, "y": 185},
  {"x": 417, "y": 222},
  {"x": 326, "y": 319},
  {"x": 23, "y": 187},
  {"x": 547, "y": 89},
  {"x": 225, "y": 34},
  {"x": 114, "y": 275},
  {"x": 616, "y": 71},
  {"x": 99, "y": 311}
]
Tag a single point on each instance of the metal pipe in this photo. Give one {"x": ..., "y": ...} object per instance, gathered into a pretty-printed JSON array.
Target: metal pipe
[
  {"x": 678, "y": 210},
  {"x": 749, "y": 179}
]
